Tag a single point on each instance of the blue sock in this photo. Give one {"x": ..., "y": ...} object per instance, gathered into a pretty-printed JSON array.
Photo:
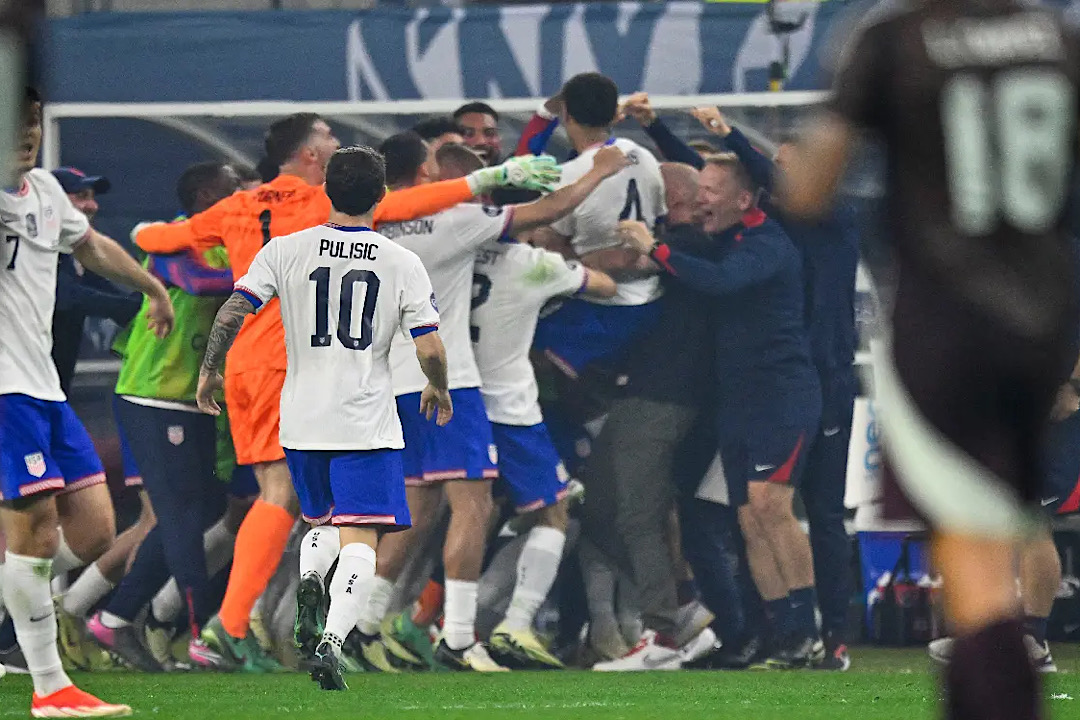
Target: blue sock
[
  {"x": 803, "y": 605},
  {"x": 779, "y": 611},
  {"x": 7, "y": 634},
  {"x": 1036, "y": 627}
]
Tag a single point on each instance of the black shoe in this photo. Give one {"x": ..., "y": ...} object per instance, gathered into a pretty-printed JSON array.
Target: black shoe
[
  {"x": 797, "y": 654},
  {"x": 836, "y": 657},
  {"x": 310, "y": 614},
  {"x": 125, "y": 644},
  {"x": 12, "y": 658},
  {"x": 326, "y": 668},
  {"x": 736, "y": 657}
]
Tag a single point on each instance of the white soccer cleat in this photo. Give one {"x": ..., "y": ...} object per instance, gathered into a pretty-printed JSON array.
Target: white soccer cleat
[
  {"x": 649, "y": 654},
  {"x": 474, "y": 658}
]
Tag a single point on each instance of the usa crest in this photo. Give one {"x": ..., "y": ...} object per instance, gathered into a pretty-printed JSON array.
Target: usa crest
[
  {"x": 175, "y": 434},
  {"x": 35, "y": 464}
]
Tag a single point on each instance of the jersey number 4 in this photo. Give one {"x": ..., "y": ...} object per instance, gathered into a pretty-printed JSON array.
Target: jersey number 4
[
  {"x": 1008, "y": 149},
  {"x": 321, "y": 277}
]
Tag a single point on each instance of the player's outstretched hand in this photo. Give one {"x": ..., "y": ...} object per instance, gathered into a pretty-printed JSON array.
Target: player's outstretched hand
[
  {"x": 159, "y": 316},
  {"x": 635, "y": 234},
  {"x": 712, "y": 120},
  {"x": 610, "y": 160},
  {"x": 436, "y": 403},
  {"x": 638, "y": 107},
  {"x": 205, "y": 394}
]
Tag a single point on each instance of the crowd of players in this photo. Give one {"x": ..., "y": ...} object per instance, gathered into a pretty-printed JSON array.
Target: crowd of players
[{"x": 696, "y": 341}]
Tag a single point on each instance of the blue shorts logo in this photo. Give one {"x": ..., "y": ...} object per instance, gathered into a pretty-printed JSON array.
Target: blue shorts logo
[
  {"x": 176, "y": 434},
  {"x": 493, "y": 454},
  {"x": 35, "y": 464}
]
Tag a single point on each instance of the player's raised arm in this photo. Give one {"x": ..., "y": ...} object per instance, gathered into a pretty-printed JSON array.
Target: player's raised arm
[
  {"x": 200, "y": 231},
  {"x": 548, "y": 209},
  {"x": 103, "y": 255}
]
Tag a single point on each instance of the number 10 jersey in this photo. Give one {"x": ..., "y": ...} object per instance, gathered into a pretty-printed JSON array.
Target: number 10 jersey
[{"x": 345, "y": 293}]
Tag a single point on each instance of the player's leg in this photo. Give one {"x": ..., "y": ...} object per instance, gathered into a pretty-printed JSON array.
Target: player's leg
[
  {"x": 822, "y": 490},
  {"x": 29, "y": 521},
  {"x": 253, "y": 399},
  {"x": 1040, "y": 576}
]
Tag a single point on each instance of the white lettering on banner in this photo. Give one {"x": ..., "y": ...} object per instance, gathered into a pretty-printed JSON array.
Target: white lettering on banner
[
  {"x": 437, "y": 70},
  {"x": 673, "y": 59},
  {"x": 761, "y": 47},
  {"x": 864, "y": 457}
]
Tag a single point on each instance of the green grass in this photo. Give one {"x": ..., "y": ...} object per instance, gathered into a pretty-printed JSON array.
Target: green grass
[{"x": 883, "y": 684}]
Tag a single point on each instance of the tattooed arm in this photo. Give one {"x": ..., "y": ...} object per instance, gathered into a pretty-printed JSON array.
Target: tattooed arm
[{"x": 226, "y": 325}]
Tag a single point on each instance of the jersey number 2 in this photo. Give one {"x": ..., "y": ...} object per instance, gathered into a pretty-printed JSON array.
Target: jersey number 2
[
  {"x": 1007, "y": 148},
  {"x": 321, "y": 277}
]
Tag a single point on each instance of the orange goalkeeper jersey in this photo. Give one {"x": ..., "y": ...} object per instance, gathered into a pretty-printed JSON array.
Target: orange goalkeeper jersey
[{"x": 246, "y": 221}]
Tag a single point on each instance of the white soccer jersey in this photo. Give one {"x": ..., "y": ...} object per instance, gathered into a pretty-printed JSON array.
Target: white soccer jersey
[
  {"x": 446, "y": 243},
  {"x": 634, "y": 193},
  {"x": 511, "y": 284},
  {"x": 37, "y": 223},
  {"x": 345, "y": 294}
]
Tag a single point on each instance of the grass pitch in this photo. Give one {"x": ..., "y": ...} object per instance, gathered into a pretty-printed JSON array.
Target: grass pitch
[{"x": 883, "y": 684}]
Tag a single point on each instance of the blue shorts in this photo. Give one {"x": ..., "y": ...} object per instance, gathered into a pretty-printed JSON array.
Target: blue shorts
[
  {"x": 132, "y": 476},
  {"x": 463, "y": 450},
  {"x": 777, "y": 457},
  {"x": 350, "y": 487},
  {"x": 44, "y": 448},
  {"x": 529, "y": 466},
  {"x": 580, "y": 332},
  {"x": 1061, "y": 493},
  {"x": 243, "y": 483}
]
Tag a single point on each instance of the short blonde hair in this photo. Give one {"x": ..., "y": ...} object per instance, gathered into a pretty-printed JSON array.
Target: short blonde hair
[{"x": 730, "y": 161}]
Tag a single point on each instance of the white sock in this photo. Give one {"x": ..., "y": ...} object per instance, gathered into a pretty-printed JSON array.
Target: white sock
[
  {"x": 374, "y": 611},
  {"x": 349, "y": 591},
  {"x": 536, "y": 569},
  {"x": 85, "y": 592},
  {"x": 459, "y": 614},
  {"x": 65, "y": 560},
  {"x": 113, "y": 622},
  {"x": 27, "y": 596},
  {"x": 318, "y": 550},
  {"x": 218, "y": 543}
]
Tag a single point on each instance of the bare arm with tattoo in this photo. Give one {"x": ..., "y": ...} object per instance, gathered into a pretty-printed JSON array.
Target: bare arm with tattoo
[{"x": 229, "y": 320}]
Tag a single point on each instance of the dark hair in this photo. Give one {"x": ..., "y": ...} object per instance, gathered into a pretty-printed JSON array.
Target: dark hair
[
  {"x": 591, "y": 99},
  {"x": 456, "y": 160},
  {"x": 246, "y": 173},
  {"x": 476, "y": 107},
  {"x": 436, "y": 127},
  {"x": 195, "y": 178},
  {"x": 405, "y": 153},
  {"x": 286, "y": 136},
  {"x": 32, "y": 95},
  {"x": 355, "y": 179}
]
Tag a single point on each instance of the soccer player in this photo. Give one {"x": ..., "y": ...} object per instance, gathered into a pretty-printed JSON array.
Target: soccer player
[
  {"x": 438, "y": 131},
  {"x": 460, "y": 458},
  {"x": 345, "y": 292},
  {"x": 172, "y": 443},
  {"x": 584, "y": 330},
  {"x": 480, "y": 127},
  {"x": 299, "y": 146},
  {"x": 511, "y": 283},
  {"x": 977, "y": 105},
  {"x": 44, "y": 449}
]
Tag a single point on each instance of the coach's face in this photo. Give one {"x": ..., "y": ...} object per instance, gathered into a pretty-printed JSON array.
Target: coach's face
[{"x": 720, "y": 200}]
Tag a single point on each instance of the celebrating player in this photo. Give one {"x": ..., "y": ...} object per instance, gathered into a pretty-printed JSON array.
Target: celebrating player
[
  {"x": 44, "y": 449},
  {"x": 300, "y": 145},
  {"x": 977, "y": 104},
  {"x": 339, "y": 423},
  {"x": 460, "y": 457}
]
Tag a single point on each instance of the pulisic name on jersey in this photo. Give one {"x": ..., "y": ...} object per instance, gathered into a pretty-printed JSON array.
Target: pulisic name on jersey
[{"x": 347, "y": 250}]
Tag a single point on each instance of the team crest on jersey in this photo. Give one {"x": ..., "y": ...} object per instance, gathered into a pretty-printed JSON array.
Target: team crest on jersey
[
  {"x": 433, "y": 303},
  {"x": 175, "y": 434},
  {"x": 493, "y": 210},
  {"x": 35, "y": 464},
  {"x": 493, "y": 454},
  {"x": 31, "y": 225}
]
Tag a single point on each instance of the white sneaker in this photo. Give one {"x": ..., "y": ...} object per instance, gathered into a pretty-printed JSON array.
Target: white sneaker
[
  {"x": 692, "y": 619},
  {"x": 648, "y": 654},
  {"x": 701, "y": 645},
  {"x": 941, "y": 650},
  {"x": 474, "y": 658}
]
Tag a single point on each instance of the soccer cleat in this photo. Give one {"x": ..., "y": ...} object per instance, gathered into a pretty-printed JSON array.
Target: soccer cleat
[
  {"x": 12, "y": 660},
  {"x": 71, "y": 702},
  {"x": 70, "y": 639},
  {"x": 202, "y": 656},
  {"x": 158, "y": 640},
  {"x": 802, "y": 653},
  {"x": 652, "y": 652},
  {"x": 124, "y": 644},
  {"x": 692, "y": 619},
  {"x": 398, "y": 653},
  {"x": 523, "y": 648},
  {"x": 311, "y": 610},
  {"x": 699, "y": 646},
  {"x": 326, "y": 668},
  {"x": 240, "y": 654},
  {"x": 474, "y": 658},
  {"x": 261, "y": 632},
  {"x": 1041, "y": 659},
  {"x": 836, "y": 657},
  {"x": 372, "y": 652},
  {"x": 413, "y": 638}
]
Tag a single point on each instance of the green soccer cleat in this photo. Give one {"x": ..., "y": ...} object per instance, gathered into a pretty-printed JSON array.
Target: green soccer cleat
[
  {"x": 523, "y": 649},
  {"x": 327, "y": 669},
  {"x": 400, "y": 654},
  {"x": 239, "y": 654},
  {"x": 414, "y": 638},
  {"x": 310, "y": 614}
]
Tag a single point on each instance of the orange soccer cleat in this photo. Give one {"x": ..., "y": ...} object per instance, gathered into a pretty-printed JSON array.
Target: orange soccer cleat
[{"x": 71, "y": 702}]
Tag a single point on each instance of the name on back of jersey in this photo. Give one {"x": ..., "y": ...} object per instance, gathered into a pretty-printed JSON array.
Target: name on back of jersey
[
  {"x": 423, "y": 226},
  {"x": 347, "y": 251}
]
